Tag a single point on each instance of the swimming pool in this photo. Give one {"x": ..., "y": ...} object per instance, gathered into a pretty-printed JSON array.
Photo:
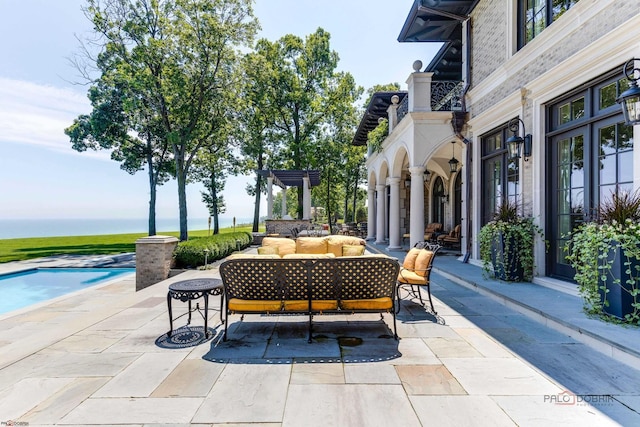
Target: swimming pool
[{"x": 18, "y": 290}]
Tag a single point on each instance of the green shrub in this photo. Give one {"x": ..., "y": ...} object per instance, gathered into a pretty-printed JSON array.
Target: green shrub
[{"x": 192, "y": 253}]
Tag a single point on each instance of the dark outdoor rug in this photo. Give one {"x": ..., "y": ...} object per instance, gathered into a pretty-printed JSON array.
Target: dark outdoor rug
[{"x": 186, "y": 336}]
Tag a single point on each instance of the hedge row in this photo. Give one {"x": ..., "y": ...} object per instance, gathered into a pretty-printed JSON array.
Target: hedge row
[{"x": 191, "y": 253}]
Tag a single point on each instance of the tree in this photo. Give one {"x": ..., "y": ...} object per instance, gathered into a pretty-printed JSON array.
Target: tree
[
  {"x": 121, "y": 122},
  {"x": 300, "y": 94},
  {"x": 211, "y": 167},
  {"x": 255, "y": 128},
  {"x": 179, "y": 57}
]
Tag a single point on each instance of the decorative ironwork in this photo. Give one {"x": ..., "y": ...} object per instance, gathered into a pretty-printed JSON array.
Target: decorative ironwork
[
  {"x": 403, "y": 108},
  {"x": 194, "y": 289},
  {"x": 310, "y": 286},
  {"x": 446, "y": 95}
]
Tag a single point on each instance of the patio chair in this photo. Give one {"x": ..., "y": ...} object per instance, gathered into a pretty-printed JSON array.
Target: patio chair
[
  {"x": 431, "y": 231},
  {"x": 416, "y": 271},
  {"x": 451, "y": 239}
]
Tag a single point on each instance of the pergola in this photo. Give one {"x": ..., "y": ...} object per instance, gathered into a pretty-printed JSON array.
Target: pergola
[{"x": 291, "y": 178}]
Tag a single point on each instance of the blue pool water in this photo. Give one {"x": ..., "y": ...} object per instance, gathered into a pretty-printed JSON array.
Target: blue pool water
[{"x": 22, "y": 289}]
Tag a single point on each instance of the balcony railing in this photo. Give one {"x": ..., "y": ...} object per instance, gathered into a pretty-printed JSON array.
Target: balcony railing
[
  {"x": 446, "y": 95},
  {"x": 403, "y": 108}
]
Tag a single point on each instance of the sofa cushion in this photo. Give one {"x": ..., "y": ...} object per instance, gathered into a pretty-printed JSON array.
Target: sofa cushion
[
  {"x": 253, "y": 256},
  {"x": 352, "y": 250},
  {"x": 311, "y": 245},
  {"x": 242, "y": 305},
  {"x": 335, "y": 243},
  {"x": 284, "y": 245},
  {"x": 410, "y": 277},
  {"x": 316, "y": 305},
  {"x": 384, "y": 303},
  {"x": 308, "y": 256},
  {"x": 410, "y": 259},
  {"x": 268, "y": 250},
  {"x": 423, "y": 261}
]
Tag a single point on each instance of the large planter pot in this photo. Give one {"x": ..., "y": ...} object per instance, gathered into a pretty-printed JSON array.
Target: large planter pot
[
  {"x": 618, "y": 294},
  {"x": 504, "y": 259}
]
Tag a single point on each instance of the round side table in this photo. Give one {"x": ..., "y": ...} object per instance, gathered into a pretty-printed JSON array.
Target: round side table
[{"x": 193, "y": 289}]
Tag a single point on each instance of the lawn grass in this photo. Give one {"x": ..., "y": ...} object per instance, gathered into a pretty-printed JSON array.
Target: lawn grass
[{"x": 36, "y": 247}]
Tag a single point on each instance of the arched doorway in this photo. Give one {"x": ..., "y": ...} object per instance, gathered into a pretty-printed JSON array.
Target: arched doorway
[{"x": 437, "y": 201}]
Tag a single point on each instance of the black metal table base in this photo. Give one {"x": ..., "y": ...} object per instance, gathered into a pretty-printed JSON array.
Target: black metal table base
[{"x": 194, "y": 289}]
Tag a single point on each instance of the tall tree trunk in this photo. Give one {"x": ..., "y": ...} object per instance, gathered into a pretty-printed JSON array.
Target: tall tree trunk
[
  {"x": 346, "y": 202},
  {"x": 355, "y": 196},
  {"x": 152, "y": 187},
  {"x": 182, "y": 192},
  {"x": 214, "y": 200},
  {"x": 256, "y": 206},
  {"x": 329, "y": 200},
  {"x": 152, "y": 196}
]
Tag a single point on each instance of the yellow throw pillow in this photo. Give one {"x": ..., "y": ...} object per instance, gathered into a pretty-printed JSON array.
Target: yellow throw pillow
[
  {"x": 423, "y": 261},
  {"x": 268, "y": 250},
  {"x": 352, "y": 250},
  {"x": 284, "y": 245},
  {"x": 410, "y": 260},
  {"x": 311, "y": 245},
  {"x": 335, "y": 243}
]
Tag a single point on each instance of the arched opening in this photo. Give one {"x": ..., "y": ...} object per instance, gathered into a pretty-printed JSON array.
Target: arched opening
[{"x": 438, "y": 201}]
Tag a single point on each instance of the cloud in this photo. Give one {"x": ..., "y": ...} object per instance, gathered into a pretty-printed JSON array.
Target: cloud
[{"x": 36, "y": 114}]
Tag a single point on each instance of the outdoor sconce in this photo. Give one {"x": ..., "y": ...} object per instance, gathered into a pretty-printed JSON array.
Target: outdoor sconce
[
  {"x": 426, "y": 177},
  {"x": 630, "y": 98},
  {"x": 515, "y": 142},
  {"x": 407, "y": 182},
  {"x": 453, "y": 163},
  {"x": 444, "y": 198}
]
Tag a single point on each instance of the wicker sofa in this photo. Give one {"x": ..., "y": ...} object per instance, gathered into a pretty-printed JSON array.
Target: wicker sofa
[
  {"x": 334, "y": 245},
  {"x": 271, "y": 285}
]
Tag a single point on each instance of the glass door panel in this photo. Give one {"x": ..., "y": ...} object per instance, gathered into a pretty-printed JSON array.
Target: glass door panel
[{"x": 568, "y": 207}]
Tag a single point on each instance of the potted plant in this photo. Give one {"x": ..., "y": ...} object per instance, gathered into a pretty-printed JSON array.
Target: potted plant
[
  {"x": 605, "y": 253},
  {"x": 506, "y": 244}
]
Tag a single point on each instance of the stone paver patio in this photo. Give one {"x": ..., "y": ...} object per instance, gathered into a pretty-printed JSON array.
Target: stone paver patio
[{"x": 92, "y": 359}]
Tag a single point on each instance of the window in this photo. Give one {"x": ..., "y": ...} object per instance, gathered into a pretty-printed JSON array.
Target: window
[
  {"x": 536, "y": 15},
  {"x": 590, "y": 156},
  {"x": 500, "y": 175}
]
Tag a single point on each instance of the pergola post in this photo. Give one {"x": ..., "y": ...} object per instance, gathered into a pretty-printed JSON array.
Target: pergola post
[
  {"x": 284, "y": 201},
  {"x": 306, "y": 198},
  {"x": 270, "y": 197}
]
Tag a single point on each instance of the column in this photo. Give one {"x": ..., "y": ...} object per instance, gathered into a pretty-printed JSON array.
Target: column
[
  {"x": 416, "y": 214},
  {"x": 394, "y": 214},
  {"x": 306, "y": 198},
  {"x": 371, "y": 213},
  {"x": 284, "y": 202},
  {"x": 270, "y": 197},
  {"x": 380, "y": 214}
]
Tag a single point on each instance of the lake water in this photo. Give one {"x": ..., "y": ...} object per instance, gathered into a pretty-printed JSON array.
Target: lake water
[{"x": 20, "y": 228}]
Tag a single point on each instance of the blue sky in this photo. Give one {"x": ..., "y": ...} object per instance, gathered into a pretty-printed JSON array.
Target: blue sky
[{"x": 42, "y": 177}]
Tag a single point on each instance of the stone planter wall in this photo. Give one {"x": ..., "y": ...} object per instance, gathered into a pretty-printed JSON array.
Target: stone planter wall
[{"x": 154, "y": 256}]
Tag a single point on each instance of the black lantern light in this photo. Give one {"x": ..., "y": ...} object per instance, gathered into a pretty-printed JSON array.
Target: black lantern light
[
  {"x": 453, "y": 163},
  {"x": 515, "y": 143},
  {"x": 630, "y": 98},
  {"x": 426, "y": 177}
]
